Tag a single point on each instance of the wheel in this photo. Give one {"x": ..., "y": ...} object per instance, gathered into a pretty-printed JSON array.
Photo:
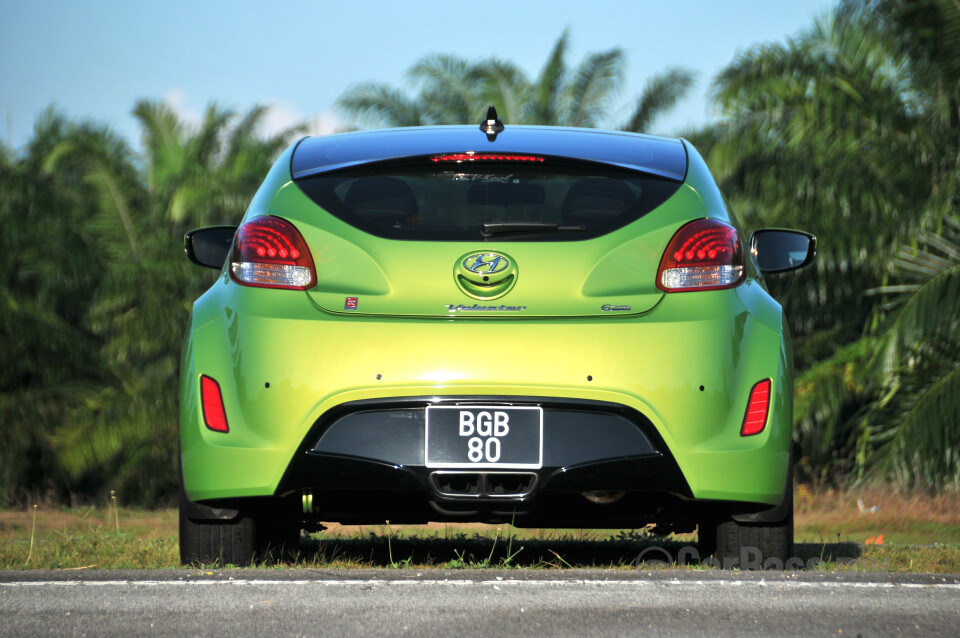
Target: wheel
[
  {"x": 748, "y": 545},
  {"x": 226, "y": 542}
]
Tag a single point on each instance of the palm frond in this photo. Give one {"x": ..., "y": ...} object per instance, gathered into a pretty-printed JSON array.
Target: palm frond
[
  {"x": 114, "y": 196},
  {"x": 912, "y": 430},
  {"x": 244, "y": 133},
  {"x": 933, "y": 310},
  {"x": 829, "y": 402},
  {"x": 450, "y": 92},
  {"x": 661, "y": 93},
  {"x": 542, "y": 105},
  {"x": 927, "y": 31},
  {"x": 104, "y": 161},
  {"x": 380, "y": 105},
  {"x": 594, "y": 83},
  {"x": 924, "y": 450},
  {"x": 163, "y": 134},
  {"x": 505, "y": 85},
  {"x": 204, "y": 145}
]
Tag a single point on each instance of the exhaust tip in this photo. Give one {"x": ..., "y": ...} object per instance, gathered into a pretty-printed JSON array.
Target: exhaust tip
[{"x": 604, "y": 497}]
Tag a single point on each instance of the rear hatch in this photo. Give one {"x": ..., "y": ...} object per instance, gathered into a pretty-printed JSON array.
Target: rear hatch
[{"x": 486, "y": 234}]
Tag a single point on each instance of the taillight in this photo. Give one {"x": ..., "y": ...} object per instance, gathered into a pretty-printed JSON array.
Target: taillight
[
  {"x": 269, "y": 252},
  {"x": 703, "y": 255},
  {"x": 214, "y": 416},
  {"x": 758, "y": 405}
]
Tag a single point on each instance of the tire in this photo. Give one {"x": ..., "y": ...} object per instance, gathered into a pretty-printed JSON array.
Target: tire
[
  {"x": 230, "y": 542},
  {"x": 748, "y": 545}
]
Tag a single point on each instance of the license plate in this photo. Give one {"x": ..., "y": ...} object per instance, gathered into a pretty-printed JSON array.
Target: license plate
[{"x": 484, "y": 436}]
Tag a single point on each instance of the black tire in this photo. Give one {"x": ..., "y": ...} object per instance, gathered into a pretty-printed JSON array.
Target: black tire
[
  {"x": 230, "y": 542},
  {"x": 748, "y": 545}
]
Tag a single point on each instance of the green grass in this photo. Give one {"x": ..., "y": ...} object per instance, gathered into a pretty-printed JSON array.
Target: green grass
[
  {"x": 110, "y": 549},
  {"x": 920, "y": 534},
  {"x": 88, "y": 538}
]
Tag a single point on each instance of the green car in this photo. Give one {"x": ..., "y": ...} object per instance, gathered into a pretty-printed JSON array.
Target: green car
[{"x": 549, "y": 327}]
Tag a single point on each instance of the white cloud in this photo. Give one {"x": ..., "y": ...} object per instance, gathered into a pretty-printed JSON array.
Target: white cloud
[
  {"x": 176, "y": 99},
  {"x": 279, "y": 116},
  {"x": 326, "y": 123},
  {"x": 282, "y": 115}
]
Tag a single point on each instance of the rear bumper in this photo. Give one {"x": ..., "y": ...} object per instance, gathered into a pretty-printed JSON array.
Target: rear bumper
[
  {"x": 588, "y": 446},
  {"x": 681, "y": 373}
]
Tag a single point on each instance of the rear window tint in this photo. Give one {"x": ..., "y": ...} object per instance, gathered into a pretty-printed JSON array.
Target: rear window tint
[{"x": 506, "y": 201}]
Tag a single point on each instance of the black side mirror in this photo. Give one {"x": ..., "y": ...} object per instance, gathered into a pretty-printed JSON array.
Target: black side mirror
[
  {"x": 209, "y": 246},
  {"x": 780, "y": 250}
]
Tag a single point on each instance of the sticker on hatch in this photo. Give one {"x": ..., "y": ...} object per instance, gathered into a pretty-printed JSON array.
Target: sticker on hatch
[{"x": 484, "y": 436}]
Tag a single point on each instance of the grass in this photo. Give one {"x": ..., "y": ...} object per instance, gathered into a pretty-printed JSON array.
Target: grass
[
  {"x": 89, "y": 538},
  {"x": 911, "y": 519},
  {"x": 919, "y": 534}
]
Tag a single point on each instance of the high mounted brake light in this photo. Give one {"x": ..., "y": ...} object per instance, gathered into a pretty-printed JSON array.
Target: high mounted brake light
[
  {"x": 471, "y": 156},
  {"x": 703, "y": 255},
  {"x": 269, "y": 252}
]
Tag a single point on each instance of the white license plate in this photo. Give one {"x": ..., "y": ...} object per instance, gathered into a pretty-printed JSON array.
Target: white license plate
[{"x": 484, "y": 436}]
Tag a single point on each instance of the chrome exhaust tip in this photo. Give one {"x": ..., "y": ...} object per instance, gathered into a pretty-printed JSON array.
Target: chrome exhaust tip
[{"x": 604, "y": 497}]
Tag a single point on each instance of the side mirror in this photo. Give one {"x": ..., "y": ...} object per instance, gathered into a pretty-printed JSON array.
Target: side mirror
[
  {"x": 209, "y": 246},
  {"x": 780, "y": 250}
]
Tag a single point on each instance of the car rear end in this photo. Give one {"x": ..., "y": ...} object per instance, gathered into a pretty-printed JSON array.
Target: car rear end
[{"x": 558, "y": 328}]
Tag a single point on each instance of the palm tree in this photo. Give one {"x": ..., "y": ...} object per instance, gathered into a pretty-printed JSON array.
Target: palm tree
[
  {"x": 822, "y": 132},
  {"x": 452, "y": 90},
  {"x": 204, "y": 174},
  {"x": 99, "y": 294},
  {"x": 851, "y": 131},
  {"x": 50, "y": 267},
  {"x": 914, "y": 428}
]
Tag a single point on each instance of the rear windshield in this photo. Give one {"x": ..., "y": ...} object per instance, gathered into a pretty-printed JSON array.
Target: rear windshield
[{"x": 519, "y": 200}]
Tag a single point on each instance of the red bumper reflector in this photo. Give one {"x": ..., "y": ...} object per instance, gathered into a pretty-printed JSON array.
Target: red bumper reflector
[
  {"x": 214, "y": 415},
  {"x": 757, "y": 407}
]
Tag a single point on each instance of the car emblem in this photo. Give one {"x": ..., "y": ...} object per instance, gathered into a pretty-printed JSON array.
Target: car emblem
[
  {"x": 488, "y": 263},
  {"x": 485, "y": 275}
]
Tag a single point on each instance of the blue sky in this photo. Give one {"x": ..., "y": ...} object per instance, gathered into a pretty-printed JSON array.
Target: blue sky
[{"x": 95, "y": 58}]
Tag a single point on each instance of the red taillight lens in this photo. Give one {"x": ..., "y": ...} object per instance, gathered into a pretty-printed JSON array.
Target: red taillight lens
[
  {"x": 757, "y": 407},
  {"x": 214, "y": 416},
  {"x": 472, "y": 156},
  {"x": 703, "y": 255},
  {"x": 270, "y": 252}
]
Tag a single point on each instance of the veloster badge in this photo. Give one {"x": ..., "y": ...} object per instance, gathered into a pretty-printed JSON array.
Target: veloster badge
[{"x": 478, "y": 308}]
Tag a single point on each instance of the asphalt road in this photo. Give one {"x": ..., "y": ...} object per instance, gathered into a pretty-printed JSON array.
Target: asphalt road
[{"x": 476, "y": 603}]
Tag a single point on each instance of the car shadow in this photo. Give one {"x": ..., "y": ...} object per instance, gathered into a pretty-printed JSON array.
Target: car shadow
[{"x": 566, "y": 551}]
